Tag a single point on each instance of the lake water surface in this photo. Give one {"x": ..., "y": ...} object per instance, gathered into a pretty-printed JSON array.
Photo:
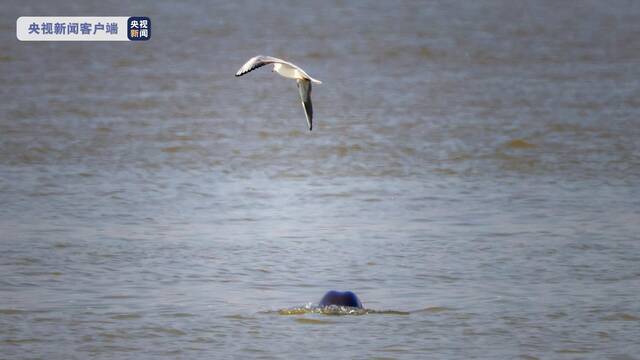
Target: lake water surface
[{"x": 474, "y": 168}]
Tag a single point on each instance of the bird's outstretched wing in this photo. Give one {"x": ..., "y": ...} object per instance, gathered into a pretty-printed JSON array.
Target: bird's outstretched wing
[
  {"x": 304, "y": 87},
  {"x": 256, "y": 62},
  {"x": 261, "y": 60}
]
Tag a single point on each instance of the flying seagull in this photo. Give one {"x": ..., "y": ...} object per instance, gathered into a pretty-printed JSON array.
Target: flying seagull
[{"x": 290, "y": 71}]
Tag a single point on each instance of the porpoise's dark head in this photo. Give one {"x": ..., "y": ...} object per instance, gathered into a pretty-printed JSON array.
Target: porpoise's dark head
[{"x": 339, "y": 298}]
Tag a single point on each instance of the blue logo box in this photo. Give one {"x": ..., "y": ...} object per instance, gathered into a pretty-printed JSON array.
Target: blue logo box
[{"x": 139, "y": 28}]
